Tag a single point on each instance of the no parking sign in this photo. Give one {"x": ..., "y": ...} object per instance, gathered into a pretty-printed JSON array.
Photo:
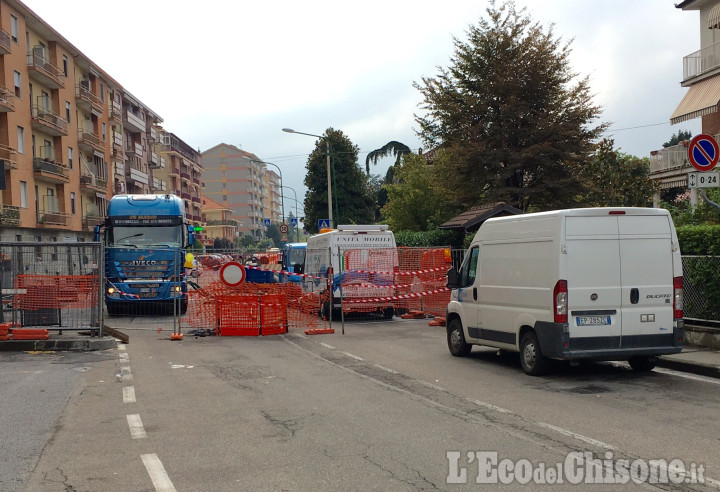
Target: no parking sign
[{"x": 703, "y": 152}]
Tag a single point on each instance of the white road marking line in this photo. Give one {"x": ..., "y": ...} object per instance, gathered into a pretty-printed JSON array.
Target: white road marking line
[
  {"x": 125, "y": 374},
  {"x": 157, "y": 473},
  {"x": 491, "y": 407},
  {"x": 430, "y": 385},
  {"x": 137, "y": 431},
  {"x": 579, "y": 437},
  {"x": 696, "y": 377},
  {"x": 122, "y": 346},
  {"x": 352, "y": 356},
  {"x": 392, "y": 371},
  {"x": 129, "y": 394},
  {"x": 124, "y": 356},
  {"x": 327, "y": 346}
]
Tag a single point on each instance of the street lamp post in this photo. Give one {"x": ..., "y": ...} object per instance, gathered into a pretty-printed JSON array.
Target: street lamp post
[
  {"x": 327, "y": 144},
  {"x": 297, "y": 234}
]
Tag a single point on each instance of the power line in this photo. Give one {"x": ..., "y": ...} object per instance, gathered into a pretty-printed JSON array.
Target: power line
[{"x": 639, "y": 126}]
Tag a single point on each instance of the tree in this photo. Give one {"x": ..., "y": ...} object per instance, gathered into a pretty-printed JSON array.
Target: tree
[
  {"x": 678, "y": 137},
  {"x": 393, "y": 148},
  {"x": 510, "y": 114},
  {"x": 415, "y": 203},
  {"x": 273, "y": 233},
  {"x": 615, "y": 179},
  {"x": 353, "y": 200}
]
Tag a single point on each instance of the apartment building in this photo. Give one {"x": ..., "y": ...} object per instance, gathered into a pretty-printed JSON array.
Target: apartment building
[
  {"x": 70, "y": 136},
  {"x": 218, "y": 220},
  {"x": 178, "y": 169},
  {"x": 272, "y": 196},
  {"x": 701, "y": 75},
  {"x": 235, "y": 179}
]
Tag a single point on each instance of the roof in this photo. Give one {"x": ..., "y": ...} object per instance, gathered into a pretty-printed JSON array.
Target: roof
[
  {"x": 701, "y": 99},
  {"x": 210, "y": 204},
  {"x": 472, "y": 219}
]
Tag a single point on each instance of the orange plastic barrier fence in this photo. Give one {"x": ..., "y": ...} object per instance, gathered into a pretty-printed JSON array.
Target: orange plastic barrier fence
[{"x": 56, "y": 291}]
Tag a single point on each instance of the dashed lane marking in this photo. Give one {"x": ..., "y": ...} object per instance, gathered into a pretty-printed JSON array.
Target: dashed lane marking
[
  {"x": 137, "y": 431},
  {"x": 129, "y": 394},
  {"x": 157, "y": 473}
]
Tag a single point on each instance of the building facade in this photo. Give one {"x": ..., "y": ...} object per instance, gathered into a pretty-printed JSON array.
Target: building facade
[
  {"x": 235, "y": 179},
  {"x": 70, "y": 136},
  {"x": 701, "y": 75},
  {"x": 219, "y": 223}
]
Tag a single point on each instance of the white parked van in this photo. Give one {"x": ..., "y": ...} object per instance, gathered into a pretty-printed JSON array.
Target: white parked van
[
  {"x": 594, "y": 283},
  {"x": 361, "y": 260}
]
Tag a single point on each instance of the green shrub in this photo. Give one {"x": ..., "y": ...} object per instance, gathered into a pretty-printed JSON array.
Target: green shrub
[
  {"x": 699, "y": 239},
  {"x": 437, "y": 237}
]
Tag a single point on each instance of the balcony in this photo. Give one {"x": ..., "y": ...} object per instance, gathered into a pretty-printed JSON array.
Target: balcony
[
  {"x": 43, "y": 71},
  {"x": 47, "y": 121},
  {"x": 153, "y": 134},
  {"x": 92, "y": 183},
  {"x": 196, "y": 199},
  {"x": 196, "y": 181},
  {"x": 153, "y": 159},
  {"x": 134, "y": 149},
  {"x": 139, "y": 177},
  {"x": 116, "y": 113},
  {"x": 89, "y": 141},
  {"x": 174, "y": 171},
  {"x": 185, "y": 176},
  {"x": 91, "y": 220},
  {"x": 135, "y": 123},
  {"x": 8, "y": 154},
  {"x": 7, "y": 100},
  {"x": 50, "y": 218},
  {"x": 5, "y": 42},
  {"x": 185, "y": 196},
  {"x": 86, "y": 99},
  {"x": 120, "y": 168},
  {"x": 47, "y": 170},
  {"x": 9, "y": 215}
]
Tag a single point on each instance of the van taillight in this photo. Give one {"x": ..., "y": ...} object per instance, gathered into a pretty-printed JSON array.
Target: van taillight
[
  {"x": 616, "y": 212},
  {"x": 678, "y": 297},
  {"x": 560, "y": 299}
]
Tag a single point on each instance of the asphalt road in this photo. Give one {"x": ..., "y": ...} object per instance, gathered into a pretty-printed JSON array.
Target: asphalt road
[{"x": 383, "y": 407}]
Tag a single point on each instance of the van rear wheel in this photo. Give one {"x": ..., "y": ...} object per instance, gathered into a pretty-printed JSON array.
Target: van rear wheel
[
  {"x": 456, "y": 339},
  {"x": 643, "y": 364},
  {"x": 532, "y": 360}
]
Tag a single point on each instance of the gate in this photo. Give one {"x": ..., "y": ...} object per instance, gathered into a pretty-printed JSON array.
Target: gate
[{"x": 55, "y": 286}]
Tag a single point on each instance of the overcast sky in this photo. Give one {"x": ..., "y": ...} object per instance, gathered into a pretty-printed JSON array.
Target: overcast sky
[{"x": 237, "y": 72}]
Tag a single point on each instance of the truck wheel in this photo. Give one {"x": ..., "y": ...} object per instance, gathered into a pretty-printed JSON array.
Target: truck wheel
[
  {"x": 456, "y": 339},
  {"x": 532, "y": 360},
  {"x": 388, "y": 313},
  {"x": 183, "y": 307},
  {"x": 643, "y": 364},
  {"x": 114, "y": 310}
]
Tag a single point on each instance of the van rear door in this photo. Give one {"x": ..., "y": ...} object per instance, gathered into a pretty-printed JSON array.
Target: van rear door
[
  {"x": 646, "y": 279},
  {"x": 593, "y": 281}
]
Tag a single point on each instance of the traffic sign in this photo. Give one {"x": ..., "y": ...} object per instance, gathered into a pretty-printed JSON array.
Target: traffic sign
[
  {"x": 703, "y": 152},
  {"x": 324, "y": 224},
  {"x": 232, "y": 273},
  {"x": 284, "y": 228},
  {"x": 704, "y": 180},
  {"x": 266, "y": 222},
  {"x": 293, "y": 221}
]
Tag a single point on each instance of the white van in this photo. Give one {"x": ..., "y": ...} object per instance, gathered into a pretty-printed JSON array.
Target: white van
[
  {"x": 594, "y": 283},
  {"x": 365, "y": 274}
]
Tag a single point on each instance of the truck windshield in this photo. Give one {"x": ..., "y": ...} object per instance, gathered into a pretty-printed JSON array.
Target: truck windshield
[
  {"x": 296, "y": 256},
  {"x": 145, "y": 237}
]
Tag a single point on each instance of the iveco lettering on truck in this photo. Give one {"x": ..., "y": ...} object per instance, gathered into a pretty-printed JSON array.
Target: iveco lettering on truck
[
  {"x": 580, "y": 284},
  {"x": 361, "y": 260},
  {"x": 145, "y": 237}
]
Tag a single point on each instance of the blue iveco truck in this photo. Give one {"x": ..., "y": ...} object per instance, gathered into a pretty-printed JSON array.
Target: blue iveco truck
[{"x": 145, "y": 237}]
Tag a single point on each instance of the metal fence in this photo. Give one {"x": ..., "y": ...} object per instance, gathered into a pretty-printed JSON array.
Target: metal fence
[
  {"x": 701, "y": 281},
  {"x": 55, "y": 286}
]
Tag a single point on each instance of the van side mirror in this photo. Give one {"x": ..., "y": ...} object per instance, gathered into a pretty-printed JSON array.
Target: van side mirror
[{"x": 452, "y": 279}]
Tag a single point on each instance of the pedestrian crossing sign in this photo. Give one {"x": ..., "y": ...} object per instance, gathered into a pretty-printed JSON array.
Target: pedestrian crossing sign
[{"x": 324, "y": 224}]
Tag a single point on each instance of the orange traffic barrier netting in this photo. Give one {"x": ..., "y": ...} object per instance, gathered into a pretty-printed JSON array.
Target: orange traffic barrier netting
[{"x": 34, "y": 292}]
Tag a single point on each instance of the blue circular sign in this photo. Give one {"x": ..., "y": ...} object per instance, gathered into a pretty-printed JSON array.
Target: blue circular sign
[{"x": 703, "y": 152}]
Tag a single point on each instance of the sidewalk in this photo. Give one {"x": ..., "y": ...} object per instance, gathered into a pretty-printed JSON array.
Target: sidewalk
[{"x": 695, "y": 360}]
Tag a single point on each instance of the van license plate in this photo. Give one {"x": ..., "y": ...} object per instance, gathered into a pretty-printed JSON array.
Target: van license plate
[{"x": 592, "y": 320}]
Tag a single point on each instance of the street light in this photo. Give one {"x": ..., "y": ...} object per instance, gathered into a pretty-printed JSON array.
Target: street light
[
  {"x": 282, "y": 202},
  {"x": 327, "y": 144},
  {"x": 297, "y": 234}
]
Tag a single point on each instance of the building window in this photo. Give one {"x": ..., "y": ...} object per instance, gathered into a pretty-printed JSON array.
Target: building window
[
  {"x": 70, "y": 157},
  {"x": 67, "y": 111},
  {"x": 18, "y": 237},
  {"x": 104, "y": 131},
  {"x": 65, "y": 65},
  {"x": 14, "y": 28},
  {"x": 72, "y": 202},
  {"x": 21, "y": 140},
  {"x": 102, "y": 92},
  {"x": 18, "y": 84},
  {"x": 23, "y": 194}
]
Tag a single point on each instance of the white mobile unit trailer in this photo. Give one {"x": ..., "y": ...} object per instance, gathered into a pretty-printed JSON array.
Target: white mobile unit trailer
[
  {"x": 361, "y": 260},
  {"x": 595, "y": 283}
]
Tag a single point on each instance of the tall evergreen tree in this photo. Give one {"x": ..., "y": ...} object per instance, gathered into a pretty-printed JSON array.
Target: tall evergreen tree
[
  {"x": 511, "y": 114},
  {"x": 352, "y": 195}
]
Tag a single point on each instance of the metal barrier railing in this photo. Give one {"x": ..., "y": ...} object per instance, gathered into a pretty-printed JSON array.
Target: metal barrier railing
[{"x": 55, "y": 286}]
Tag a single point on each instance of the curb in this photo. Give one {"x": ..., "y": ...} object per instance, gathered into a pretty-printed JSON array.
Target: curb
[
  {"x": 71, "y": 344},
  {"x": 691, "y": 367}
]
